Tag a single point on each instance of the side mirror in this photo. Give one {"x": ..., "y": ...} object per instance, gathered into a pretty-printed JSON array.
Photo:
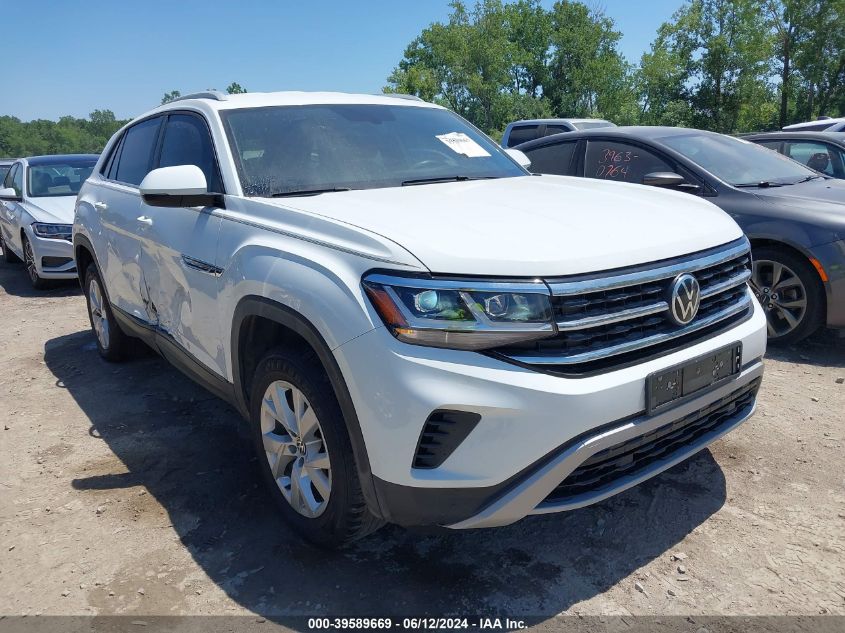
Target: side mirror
[
  {"x": 519, "y": 157},
  {"x": 9, "y": 194},
  {"x": 178, "y": 186},
  {"x": 663, "y": 179}
]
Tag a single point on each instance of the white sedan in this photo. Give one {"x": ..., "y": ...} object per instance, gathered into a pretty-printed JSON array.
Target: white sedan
[{"x": 36, "y": 213}]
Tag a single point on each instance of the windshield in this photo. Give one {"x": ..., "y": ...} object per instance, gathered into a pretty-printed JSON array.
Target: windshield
[
  {"x": 287, "y": 149},
  {"x": 737, "y": 162},
  {"x": 59, "y": 179}
]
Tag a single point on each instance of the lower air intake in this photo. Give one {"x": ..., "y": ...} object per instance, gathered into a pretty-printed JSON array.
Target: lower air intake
[{"x": 442, "y": 433}]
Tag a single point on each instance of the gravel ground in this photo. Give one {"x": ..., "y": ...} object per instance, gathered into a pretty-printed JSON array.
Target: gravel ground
[{"x": 126, "y": 489}]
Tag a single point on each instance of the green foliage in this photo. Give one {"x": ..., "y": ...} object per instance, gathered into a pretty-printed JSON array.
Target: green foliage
[
  {"x": 235, "y": 88},
  {"x": 68, "y": 135},
  {"x": 170, "y": 96},
  {"x": 726, "y": 65}
]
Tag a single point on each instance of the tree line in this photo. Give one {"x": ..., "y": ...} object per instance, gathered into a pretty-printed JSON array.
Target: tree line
[
  {"x": 68, "y": 135},
  {"x": 724, "y": 65}
]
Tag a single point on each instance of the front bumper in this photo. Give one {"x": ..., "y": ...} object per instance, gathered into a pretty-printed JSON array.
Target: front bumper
[
  {"x": 534, "y": 427},
  {"x": 53, "y": 257},
  {"x": 832, "y": 258}
]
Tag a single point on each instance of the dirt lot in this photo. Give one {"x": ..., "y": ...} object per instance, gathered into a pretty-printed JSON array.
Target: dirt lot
[{"x": 125, "y": 489}]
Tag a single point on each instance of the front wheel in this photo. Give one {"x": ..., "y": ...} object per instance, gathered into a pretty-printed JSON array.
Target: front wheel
[
  {"x": 111, "y": 341},
  {"x": 791, "y": 293},
  {"x": 38, "y": 282},
  {"x": 304, "y": 451}
]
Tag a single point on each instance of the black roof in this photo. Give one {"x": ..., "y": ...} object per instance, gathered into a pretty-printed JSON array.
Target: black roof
[
  {"x": 648, "y": 132},
  {"x": 61, "y": 158},
  {"x": 797, "y": 135}
]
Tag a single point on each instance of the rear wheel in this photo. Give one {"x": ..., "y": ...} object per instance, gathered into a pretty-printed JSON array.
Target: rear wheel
[
  {"x": 791, "y": 293},
  {"x": 304, "y": 451},
  {"x": 112, "y": 343},
  {"x": 8, "y": 255},
  {"x": 38, "y": 282}
]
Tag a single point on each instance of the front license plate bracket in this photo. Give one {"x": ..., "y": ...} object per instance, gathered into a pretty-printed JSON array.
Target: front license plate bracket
[{"x": 673, "y": 385}]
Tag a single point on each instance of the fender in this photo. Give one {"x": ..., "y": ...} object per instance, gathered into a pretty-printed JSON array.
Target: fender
[{"x": 253, "y": 305}]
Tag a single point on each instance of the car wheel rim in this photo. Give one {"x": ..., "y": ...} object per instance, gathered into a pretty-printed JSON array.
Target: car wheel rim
[
  {"x": 98, "y": 313},
  {"x": 295, "y": 449},
  {"x": 782, "y": 295},
  {"x": 29, "y": 256}
]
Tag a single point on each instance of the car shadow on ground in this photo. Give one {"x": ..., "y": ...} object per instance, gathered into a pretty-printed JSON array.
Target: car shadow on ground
[
  {"x": 825, "y": 348},
  {"x": 190, "y": 452},
  {"x": 15, "y": 282}
]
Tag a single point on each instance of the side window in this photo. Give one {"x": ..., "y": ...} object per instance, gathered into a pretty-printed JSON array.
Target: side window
[
  {"x": 110, "y": 166},
  {"x": 556, "y": 129},
  {"x": 818, "y": 156},
  {"x": 187, "y": 142},
  {"x": 522, "y": 134},
  {"x": 772, "y": 145},
  {"x": 623, "y": 162},
  {"x": 136, "y": 154},
  {"x": 14, "y": 179},
  {"x": 552, "y": 159}
]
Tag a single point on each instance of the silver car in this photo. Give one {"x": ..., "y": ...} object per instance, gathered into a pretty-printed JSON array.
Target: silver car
[{"x": 36, "y": 213}]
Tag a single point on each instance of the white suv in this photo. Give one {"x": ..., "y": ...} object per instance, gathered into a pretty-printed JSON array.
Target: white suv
[{"x": 417, "y": 329}]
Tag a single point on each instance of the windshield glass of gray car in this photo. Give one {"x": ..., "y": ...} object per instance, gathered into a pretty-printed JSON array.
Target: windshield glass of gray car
[
  {"x": 286, "y": 150},
  {"x": 737, "y": 162},
  {"x": 58, "y": 179}
]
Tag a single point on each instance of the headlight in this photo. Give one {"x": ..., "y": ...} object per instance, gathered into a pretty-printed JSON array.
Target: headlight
[
  {"x": 461, "y": 314},
  {"x": 53, "y": 231}
]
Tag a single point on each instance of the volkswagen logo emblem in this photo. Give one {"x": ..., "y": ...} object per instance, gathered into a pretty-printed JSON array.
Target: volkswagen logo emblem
[{"x": 684, "y": 298}]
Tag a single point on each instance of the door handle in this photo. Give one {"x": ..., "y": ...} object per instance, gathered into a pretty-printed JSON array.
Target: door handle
[
  {"x": 145, "y": 220},
  {"x": 101, "y": 206}
]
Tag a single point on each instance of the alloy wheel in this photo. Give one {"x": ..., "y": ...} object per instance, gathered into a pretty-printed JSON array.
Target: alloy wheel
[
  {"x": 781, "y": 293},
  {"x": 29, "y": 259},
  {"x": 98, "y": 313},
  {"x": 295, "y": 448}
]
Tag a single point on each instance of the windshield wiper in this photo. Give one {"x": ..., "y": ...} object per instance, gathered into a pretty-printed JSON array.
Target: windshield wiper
[
  {"x": 426, "y": 181},
  {"x": 308, "y": 192},
  {"x": 762, "y": 184},
  {"x": 808, "y": 178}
]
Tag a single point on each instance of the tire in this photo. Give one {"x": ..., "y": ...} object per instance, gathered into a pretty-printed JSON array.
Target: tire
[
  {"x": 8, "y": 256},
  {"x": 328, "y": 507},
  {"x": 791, "y": 293},
  {"x": 38, "y": 282},
  {"x": 112, "y": 343}
]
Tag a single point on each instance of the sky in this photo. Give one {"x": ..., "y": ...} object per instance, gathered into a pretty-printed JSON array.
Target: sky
[{"x": 70, "y": 58}]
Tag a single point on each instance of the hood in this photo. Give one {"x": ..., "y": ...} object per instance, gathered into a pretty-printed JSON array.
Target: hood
[
  {"x": 54, "y": 210},
  {"x": 819, "y": 203},
  {"x": 531, "y": 225}
]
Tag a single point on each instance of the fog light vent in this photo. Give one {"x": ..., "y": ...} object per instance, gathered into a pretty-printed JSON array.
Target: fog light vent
[{"x": 442, "y": 433}]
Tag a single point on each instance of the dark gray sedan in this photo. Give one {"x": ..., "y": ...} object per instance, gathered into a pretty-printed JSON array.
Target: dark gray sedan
[
  {"x": 794, "y": 216},
  {"x": 822, "y": 151}
]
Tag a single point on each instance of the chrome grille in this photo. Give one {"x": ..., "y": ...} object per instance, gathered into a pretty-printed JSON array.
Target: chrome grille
[{"x": 622, "y": 315}]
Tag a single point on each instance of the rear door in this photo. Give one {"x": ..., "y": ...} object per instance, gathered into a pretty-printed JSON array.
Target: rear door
[
  {"x": 178, "y": 250},
  {"x": 117, "y": 200}
]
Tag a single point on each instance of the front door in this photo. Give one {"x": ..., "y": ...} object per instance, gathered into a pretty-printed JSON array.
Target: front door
[{"x": 178, "y": 250}]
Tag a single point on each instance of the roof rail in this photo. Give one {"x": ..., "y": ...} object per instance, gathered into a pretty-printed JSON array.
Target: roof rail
[
  {"x": 399, "y": 95},
  {"x": 216, "y": 95}
]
